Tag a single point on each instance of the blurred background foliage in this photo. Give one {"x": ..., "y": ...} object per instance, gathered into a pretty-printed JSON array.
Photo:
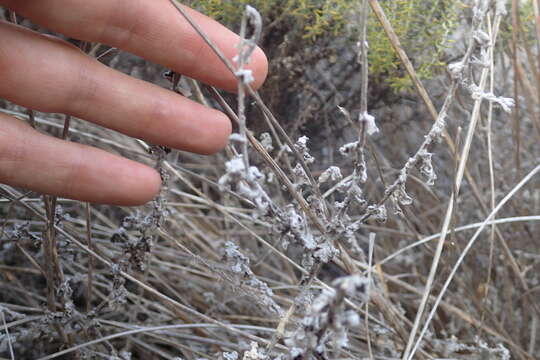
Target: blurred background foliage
[
  {"x": 313, "y": 59},
  {"x": 424, "y": 27}
]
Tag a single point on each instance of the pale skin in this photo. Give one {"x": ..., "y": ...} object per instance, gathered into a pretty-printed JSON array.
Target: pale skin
[{"x": 50, "y": 75}]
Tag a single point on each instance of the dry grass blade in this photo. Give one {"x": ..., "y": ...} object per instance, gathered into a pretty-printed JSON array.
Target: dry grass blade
[
  {"x": 465, "y": 251},
  {"x": 458, "y": 179}
]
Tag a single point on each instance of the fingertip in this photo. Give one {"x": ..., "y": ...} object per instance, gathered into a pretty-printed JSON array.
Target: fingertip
[
  {"x": 146, "y": 188},
  {"x": 133, "y": 184},
  {"x": 259, "y": 67},
  {"x": 217, "y": 136}
]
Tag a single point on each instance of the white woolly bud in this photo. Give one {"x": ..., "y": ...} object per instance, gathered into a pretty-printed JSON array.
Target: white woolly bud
[
  {"x": 333, "y": 173},
  {"x": 237, "y": 138},
  {"x": 369, "y": 120}
]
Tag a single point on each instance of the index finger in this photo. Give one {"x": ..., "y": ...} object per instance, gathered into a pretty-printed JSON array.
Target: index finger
[{"x": 153, "y": 29}]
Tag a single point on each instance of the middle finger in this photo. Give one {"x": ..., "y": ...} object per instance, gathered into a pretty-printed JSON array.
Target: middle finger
[{"x": 50, "y": 75}]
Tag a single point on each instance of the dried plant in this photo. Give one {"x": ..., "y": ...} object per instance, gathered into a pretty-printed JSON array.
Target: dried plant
[{"x": 409, "y": 235}]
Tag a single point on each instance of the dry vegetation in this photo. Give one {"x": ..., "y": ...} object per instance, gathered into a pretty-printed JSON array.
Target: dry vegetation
[{"x": 408, "y": 231}]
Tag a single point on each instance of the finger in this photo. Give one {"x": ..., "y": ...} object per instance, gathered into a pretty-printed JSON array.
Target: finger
[
  {"x": 49, "y": 75},
  {"x": 38, "y": 162},
  {"x": 153, "y": 29}
]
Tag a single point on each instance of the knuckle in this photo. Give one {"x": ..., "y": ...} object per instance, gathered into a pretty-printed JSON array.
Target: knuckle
[
  {"x": 13, "y": 149},
  {"x": 70, "y": 177},
  {"x": 82, "y": 96}
]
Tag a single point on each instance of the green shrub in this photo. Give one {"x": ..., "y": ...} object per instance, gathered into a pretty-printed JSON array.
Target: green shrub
[{"x": 423, "y": 28}]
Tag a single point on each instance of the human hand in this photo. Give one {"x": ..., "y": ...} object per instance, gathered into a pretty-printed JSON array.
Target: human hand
[{"x": 50, "y": 75}]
